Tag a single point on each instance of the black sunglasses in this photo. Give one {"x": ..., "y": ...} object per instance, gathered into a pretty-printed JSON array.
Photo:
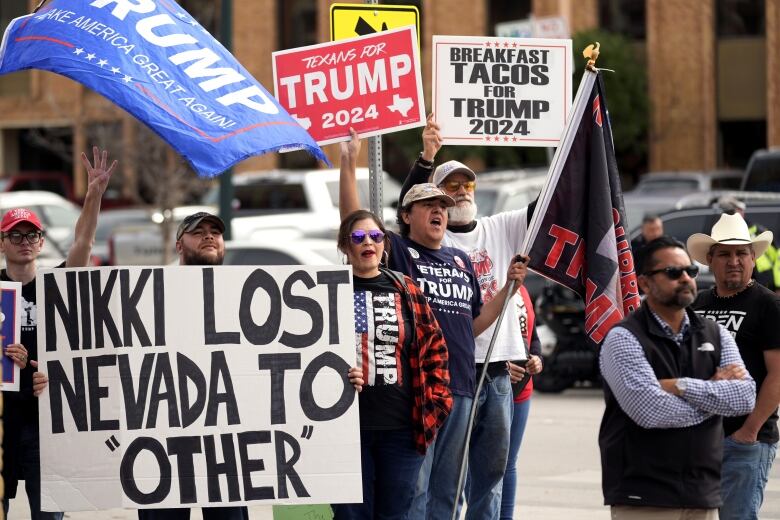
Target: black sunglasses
[{"x": 675, "y": 272}]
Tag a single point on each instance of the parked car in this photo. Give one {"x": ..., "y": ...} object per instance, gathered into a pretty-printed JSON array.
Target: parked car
[
  {"x": 508, "y": 189},
  {"x": 309, "y": 251},
  {"x": 55, "y": 182},
  {"x": 657, "y": 192},
  {"x": 302, "y": 201},
  {"x": 763, "y": 171}
]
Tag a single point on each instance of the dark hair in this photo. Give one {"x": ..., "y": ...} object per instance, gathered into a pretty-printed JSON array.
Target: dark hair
[
  {"x": 650, "y": 218},
  {"x": 644, "y": 260},
  {"x": 403, "y": 227},
  {"x": 346, "y": 228}
]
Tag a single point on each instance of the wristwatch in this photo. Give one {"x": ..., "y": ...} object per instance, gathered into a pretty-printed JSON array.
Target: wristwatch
[
  {"x": 424, "y": 162},
  {"x": 681, "y": 385}
]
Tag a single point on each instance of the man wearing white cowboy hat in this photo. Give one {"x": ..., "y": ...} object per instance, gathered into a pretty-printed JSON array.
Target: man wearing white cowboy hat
[{"x": 751, "y": 313}]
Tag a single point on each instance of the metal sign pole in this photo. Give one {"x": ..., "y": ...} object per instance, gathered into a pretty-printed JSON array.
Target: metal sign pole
[{"x": 375, "y": 177}]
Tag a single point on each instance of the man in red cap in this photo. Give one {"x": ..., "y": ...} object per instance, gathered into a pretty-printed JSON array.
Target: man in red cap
[{"x": 21, "y": 238}]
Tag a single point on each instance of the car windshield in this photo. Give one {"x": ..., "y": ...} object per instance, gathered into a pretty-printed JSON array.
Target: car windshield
[
  {"x": 667, "y": 184},
  {"x": 764, "y": 174},
  {"x": 263, "y": 197},
  {"x": 108, "y": 221}
]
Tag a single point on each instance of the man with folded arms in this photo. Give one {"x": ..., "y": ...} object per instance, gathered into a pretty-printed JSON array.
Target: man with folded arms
[{"x": 670, "y": 377}]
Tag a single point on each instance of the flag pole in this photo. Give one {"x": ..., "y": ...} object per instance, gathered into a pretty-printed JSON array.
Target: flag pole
[{"x": 556, "y": 166}]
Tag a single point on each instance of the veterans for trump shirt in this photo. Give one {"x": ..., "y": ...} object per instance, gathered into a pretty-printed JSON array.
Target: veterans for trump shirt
[
  {"x": 383, "y": 337},
  {"x": 447, "y": 279}
]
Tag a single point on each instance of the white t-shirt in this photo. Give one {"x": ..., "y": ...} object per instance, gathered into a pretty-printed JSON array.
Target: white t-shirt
[{"x": 491, "y": 245}]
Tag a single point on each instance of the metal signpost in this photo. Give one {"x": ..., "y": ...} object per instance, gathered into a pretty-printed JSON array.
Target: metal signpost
[{"x": 350, "y": 20}]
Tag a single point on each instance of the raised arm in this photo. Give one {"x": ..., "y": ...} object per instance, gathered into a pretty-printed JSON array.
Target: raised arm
[
  {"x": 97, "y": 181},
  {"x": 348, "y": 192},
  {"x": 423, "y": 166}
]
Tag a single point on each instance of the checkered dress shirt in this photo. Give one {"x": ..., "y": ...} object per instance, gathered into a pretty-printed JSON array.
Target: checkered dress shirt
[{"x": 638, "y": 392}]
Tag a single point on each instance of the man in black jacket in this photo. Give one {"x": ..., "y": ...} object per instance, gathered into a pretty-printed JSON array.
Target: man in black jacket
[{"x": 670, "y": 376}]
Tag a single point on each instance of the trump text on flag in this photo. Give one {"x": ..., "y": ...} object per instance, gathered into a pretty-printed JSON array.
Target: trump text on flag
[
  {"x": 371, "y": 84},
  {"x": 158, "y": 63},
  {"x": 501, "y": 91},
  {"x": 236, "y": 394}
]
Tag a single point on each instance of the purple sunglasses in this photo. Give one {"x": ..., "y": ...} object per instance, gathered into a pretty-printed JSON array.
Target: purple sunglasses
[{"x": 358, "y": 236}]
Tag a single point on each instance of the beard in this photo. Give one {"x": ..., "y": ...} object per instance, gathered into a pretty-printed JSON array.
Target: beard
[
  {"x": 678, "y": 299},
  {"x": 192, "y": 257},
  {"x": 462, "y": 213}
]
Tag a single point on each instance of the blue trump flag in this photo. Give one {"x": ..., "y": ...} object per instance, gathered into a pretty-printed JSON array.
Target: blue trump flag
[{"x": 153, "y": 59}]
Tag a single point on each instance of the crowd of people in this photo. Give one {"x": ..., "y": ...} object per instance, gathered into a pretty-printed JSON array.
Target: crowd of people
[{"x": 692, "y": 381}]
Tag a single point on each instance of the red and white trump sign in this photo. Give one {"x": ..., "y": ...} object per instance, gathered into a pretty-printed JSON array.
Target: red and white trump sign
[{"x": 371, "y": 83}]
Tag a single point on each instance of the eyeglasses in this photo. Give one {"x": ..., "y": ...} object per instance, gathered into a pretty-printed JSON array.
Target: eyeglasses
[
  {"x": 455, "y": 185},
  {"x": 16, "y": 237},
  {"x": 358, "y": 236},
  {"x": 673, "y": 273}
]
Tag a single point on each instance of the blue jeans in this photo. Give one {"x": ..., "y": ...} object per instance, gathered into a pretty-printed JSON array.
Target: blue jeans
[
  {"x": 209, "y": 513},
  {"x": 488, "y": 451},
  {"x": 29, "y": 456},
  {"x": 390, "y": 465},
  {"x": 744, "y": 475},
  {"x": 519, "y": 420}
]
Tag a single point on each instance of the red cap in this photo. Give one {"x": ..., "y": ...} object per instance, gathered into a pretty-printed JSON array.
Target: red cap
[{"x": 18, "y": 215}]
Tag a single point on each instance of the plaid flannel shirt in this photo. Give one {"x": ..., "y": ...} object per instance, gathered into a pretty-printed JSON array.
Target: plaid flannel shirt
[{"x": 429, "y": 364}]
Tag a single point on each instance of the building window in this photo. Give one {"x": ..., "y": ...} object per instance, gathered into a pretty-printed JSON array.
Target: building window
[
  {"x": 297, "y": 23},
  {"x": 500, "y": 11},
  {"x": 738, "y": 140},
  {"x": 626, "y": 17},
  {"x": 740, "y": 18},
  {"x": 206, "y": 12}
]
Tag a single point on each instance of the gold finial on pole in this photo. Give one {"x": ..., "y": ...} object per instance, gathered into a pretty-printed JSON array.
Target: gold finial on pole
[{"x": 592, "y": 53}]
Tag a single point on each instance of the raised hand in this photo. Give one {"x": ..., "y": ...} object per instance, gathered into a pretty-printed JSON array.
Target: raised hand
[
  {"x": 97, "y": 174},
  {"x": 351, "y": 149},
  {"x": 431, "y": 139}
]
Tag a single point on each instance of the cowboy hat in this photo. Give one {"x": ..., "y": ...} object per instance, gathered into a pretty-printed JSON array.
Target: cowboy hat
[{"x": 729, "y": 230}]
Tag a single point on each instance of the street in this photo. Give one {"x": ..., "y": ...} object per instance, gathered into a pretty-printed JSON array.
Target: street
[{"x": 559, "y": 470}]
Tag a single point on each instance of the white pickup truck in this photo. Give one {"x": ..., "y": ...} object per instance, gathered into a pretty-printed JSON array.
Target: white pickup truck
[{"x": 268, "y": 206}]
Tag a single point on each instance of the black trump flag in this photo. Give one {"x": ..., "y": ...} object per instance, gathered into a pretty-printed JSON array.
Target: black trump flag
[{"x": 578, "y": 236}]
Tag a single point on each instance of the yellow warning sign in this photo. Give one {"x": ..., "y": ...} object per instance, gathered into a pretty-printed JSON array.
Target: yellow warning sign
[{"x": 352, "y": 20}]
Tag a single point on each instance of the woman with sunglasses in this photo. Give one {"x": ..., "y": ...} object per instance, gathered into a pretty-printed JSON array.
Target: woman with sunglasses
[{"x": 403, "y": 357}]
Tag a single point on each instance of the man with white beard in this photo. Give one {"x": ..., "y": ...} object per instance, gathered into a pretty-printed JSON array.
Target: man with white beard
[{"x": 491, "y": 243}]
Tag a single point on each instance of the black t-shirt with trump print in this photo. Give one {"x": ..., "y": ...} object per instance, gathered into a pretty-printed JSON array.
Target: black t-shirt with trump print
[
  {"x": 383, "y": 337},
  {"x": 752, "y": 317}
]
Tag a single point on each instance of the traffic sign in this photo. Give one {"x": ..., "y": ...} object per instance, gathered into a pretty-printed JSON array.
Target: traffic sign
[{"x": 351, "y": 20}]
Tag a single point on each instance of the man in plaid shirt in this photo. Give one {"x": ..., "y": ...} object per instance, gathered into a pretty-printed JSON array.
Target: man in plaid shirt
[{"x": 670, "y": 377}]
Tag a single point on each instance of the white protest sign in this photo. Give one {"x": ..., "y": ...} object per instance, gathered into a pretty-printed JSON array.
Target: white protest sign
[
  {"x": 185, "y": 386},
  {"x": 10, "y": 330},
  {"x": 501, "y": 91}
]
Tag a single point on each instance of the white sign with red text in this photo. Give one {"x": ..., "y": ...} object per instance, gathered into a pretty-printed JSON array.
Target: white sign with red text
[
  {"x": 371, "y": 83},
  {"x": 501, "y": 91}
]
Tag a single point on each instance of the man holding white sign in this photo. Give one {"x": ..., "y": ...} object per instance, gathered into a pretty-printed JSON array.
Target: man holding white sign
[
  {"x": 171, "y": 403},
  {"x": 21, "y": 242},
  {"x": 199, "y": 241}
]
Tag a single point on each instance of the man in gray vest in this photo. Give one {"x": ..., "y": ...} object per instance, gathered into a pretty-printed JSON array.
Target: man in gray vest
[{"x": 670, "y": 376}]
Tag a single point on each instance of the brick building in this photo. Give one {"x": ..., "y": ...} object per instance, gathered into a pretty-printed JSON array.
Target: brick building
[{"x": 718, "y": 99}]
